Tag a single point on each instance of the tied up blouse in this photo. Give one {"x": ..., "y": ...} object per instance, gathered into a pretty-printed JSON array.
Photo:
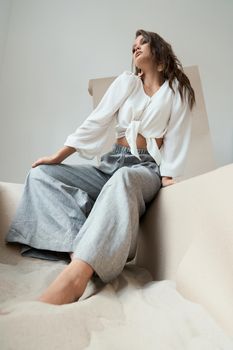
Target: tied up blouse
[{"x": 129, "y": 110}]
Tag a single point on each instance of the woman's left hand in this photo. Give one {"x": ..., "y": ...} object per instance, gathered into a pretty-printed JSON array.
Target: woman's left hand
[{"x": 167, "y": 181}]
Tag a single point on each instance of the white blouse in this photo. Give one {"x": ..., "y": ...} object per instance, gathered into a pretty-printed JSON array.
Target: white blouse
[{"x": 129, "y": 110}]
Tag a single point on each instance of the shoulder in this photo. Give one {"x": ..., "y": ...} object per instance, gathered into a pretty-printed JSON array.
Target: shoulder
[
  {"x": 126, "y": 80},
  {"x": 177, "y": 95},
  {"x": 175, "y": 84},
  {"x": 127, "y": 75},
  {"x": 122, "y": 85}
]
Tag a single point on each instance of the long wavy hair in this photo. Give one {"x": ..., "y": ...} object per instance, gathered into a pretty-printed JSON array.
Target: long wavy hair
[{"x": 172, "y": 68}]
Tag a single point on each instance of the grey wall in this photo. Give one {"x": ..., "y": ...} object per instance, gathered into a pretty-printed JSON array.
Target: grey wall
[
  {"x": 49, "y": 49},
  {"x": 5, "y": 11}
]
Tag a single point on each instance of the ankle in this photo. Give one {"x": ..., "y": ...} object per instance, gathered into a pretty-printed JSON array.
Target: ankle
[{"x": 81, "y": 268}]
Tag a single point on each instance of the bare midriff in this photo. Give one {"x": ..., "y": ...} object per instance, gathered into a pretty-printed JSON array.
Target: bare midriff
[{"x": 141, "y": 141}]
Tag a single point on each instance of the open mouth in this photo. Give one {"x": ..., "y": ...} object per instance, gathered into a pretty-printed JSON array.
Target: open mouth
[{"x": 138, "y": 53}]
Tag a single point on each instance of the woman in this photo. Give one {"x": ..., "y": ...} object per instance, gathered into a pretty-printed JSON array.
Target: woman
[{"x": 92, "y": 212}]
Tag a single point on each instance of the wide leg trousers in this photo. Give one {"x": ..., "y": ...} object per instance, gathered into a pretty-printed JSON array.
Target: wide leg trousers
[{"x": 90, "y": 210}]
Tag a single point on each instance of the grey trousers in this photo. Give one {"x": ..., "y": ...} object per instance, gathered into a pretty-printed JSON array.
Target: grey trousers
[{"x": 90, "y": 210}]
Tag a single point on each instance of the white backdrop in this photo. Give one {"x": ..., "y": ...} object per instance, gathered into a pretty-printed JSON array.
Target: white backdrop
[{"x": 49, "y": 49}]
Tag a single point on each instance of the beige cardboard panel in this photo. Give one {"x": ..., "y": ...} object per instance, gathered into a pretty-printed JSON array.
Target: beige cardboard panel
[{"x": 186, "y": 236}]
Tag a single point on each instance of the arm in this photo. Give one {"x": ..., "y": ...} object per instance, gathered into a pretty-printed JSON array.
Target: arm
[
  {"x": 56, "y": 158},
  {"x": 176, "y": 140},
  {"x": 90, "y": 138}
]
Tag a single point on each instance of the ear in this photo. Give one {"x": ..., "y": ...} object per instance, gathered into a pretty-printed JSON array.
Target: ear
[
  {"x": 160, "y": 67},
  {"x": 140, "y": 73}
]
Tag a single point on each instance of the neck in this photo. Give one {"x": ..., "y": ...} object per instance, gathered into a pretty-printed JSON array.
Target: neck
[{"x": 151, "y": 77}]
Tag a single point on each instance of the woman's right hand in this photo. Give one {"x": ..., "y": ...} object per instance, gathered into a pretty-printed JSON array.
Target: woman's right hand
[
  {"x": 46, "y": 160},
  {"x": 56, "y": 158}
]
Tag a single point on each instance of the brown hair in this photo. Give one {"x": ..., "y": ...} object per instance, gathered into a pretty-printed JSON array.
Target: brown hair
[{"x": 172, "y": 67}]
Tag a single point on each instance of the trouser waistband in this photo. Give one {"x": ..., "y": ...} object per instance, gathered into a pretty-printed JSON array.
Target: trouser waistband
[{"x": 123, "y": 149}]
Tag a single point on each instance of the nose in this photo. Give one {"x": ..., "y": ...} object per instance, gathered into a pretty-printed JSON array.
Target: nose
[{"x": 136, "y": 49}]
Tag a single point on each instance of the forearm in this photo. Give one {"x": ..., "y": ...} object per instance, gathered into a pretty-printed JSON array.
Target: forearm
[{"x": 64, "y": 152}]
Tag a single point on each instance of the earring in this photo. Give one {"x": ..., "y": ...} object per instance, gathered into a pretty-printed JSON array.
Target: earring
[{"x": 160, "y": 67}]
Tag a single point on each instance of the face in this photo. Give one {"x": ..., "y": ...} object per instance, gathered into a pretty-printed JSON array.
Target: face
[{"x": 141, "y": 51}]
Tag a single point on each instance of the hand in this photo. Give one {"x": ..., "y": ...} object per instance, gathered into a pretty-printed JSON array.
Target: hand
[
  {"x": 167, "y": 181},
  {"x": 46, "y": 160},
  {"x": 56, "y": 158}
]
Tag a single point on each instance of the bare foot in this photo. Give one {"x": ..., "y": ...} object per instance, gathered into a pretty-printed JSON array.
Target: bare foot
[{"x": 69, "y": 285}]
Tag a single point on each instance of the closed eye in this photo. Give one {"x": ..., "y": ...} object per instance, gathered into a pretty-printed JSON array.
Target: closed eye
[{"x": 143, "y": 41}]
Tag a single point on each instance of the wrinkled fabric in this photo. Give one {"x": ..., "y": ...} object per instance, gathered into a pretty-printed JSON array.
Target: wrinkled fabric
[
  {"x": 126, "y": 109},
  {"x": 90, "y": 210}
]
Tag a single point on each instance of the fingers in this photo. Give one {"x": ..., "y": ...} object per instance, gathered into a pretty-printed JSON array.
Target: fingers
[
  {"x": 40, "y": 161},
  {"x": 171, "y": 183},
  {"x": 168, "y": 182},
  {"x": 35, "y": 164},
  {"x": 45, "y": 160}
]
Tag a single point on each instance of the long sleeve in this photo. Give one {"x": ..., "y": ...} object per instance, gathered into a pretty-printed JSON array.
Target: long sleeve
[
  {"x": 92, "y": 135},
  {"x": 177, "y": 138}
]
